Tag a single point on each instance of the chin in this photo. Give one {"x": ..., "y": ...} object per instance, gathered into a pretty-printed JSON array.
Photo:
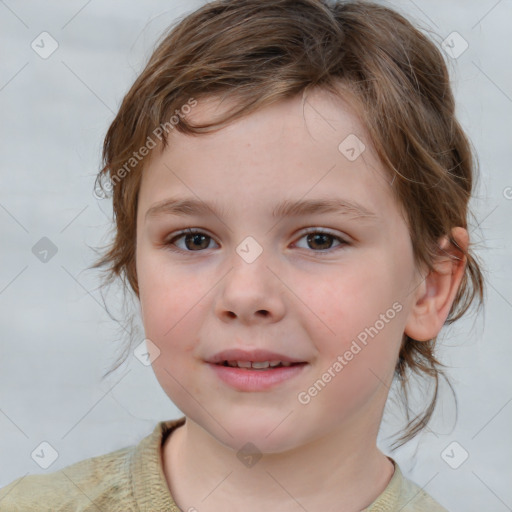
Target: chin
[{"x": 267, "y": 431}]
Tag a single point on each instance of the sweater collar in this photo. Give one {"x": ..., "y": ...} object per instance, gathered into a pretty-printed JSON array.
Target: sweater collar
[
  {"x": 149, "y": 485},
  {"x": 388, "y": 499}
]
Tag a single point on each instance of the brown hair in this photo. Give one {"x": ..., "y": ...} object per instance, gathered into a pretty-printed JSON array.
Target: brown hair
[{"x": 262, "y": 51}]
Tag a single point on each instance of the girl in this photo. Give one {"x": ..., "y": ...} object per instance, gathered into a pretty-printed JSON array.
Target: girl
[{"x": 291, "y": 189}]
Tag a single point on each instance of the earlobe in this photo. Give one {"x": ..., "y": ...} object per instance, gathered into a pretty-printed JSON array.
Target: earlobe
[{"x": 435, "y": 294}]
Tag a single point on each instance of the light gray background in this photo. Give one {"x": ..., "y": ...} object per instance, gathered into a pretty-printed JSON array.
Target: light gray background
[{"x": 57, "y": 339}]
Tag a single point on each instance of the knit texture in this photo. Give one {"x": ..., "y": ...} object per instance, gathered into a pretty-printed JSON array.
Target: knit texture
[{"x": 132, "y": 479}]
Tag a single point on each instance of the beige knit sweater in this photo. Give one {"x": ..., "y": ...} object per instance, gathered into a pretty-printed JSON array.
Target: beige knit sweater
[{"x": 132, "y": 480}]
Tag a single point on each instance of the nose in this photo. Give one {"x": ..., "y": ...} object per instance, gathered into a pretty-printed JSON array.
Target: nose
[{"x": 251, "y": 292}]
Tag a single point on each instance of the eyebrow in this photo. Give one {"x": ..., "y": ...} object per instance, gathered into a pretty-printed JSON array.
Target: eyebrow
[{"x": 183, "y": 206}]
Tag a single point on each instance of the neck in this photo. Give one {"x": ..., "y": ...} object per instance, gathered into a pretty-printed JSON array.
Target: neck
[{"x": 207, "y": 476}]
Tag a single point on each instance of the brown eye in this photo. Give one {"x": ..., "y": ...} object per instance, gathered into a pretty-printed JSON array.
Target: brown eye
[
  {"x": 322, "y": 241},
  {"x": 194, "y": 241}
]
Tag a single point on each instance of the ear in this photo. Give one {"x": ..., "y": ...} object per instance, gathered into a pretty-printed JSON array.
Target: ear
[{"x": 436, "y": 292}]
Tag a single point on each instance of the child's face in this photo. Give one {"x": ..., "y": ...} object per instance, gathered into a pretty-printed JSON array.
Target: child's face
[{"x": 306, "y": 297}]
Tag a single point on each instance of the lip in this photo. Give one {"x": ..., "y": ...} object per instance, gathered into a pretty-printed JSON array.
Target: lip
[
  {"x": 243, "y": 379},
  {"x": 256, "y": 356}
]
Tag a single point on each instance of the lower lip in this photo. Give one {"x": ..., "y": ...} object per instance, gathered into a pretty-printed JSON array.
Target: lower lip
[{"x": 243, "y": 379}]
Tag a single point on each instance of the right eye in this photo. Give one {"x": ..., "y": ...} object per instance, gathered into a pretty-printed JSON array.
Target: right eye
[{"x": 194, "y": 241}]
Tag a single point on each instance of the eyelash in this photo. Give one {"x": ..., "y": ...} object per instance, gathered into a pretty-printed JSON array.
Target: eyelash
[{"x": 170, "y": 243}]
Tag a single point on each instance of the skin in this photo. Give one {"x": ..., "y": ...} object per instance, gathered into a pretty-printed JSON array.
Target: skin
[{"x": 196, "y": 303}]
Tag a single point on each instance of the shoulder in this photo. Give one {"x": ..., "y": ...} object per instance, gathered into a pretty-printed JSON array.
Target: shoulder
[
  {"x": 92, "y": 484},
  {"x": 125, "y": 480}
]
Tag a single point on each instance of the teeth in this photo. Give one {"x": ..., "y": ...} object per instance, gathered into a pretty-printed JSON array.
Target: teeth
[
  {"x": 257, "y": 365},
  {"x": 263, "y": 364}
]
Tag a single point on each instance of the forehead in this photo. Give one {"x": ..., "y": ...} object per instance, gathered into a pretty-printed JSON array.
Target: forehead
[{"x": 312, "y": 146}]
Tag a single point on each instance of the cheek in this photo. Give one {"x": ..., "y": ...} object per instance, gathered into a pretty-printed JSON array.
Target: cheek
[
  {"x": 349, "y": 300},
  {"x": 363, "y": 320},
  {"x": 171, "y": 312},
  {"x": 357, "y": 363},
  {"x": 170, "y": 303}
]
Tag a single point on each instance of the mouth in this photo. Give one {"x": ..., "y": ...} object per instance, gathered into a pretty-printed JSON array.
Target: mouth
[
  {"x": 251, "y": 370},
  {"x": 259, "y": 365},
  {"x": 257, "y": 376}
]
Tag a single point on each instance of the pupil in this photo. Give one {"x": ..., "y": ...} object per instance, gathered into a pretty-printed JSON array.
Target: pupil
[
  {"x": 196, "y": 239},
  {"x": 315, "y": 237}
]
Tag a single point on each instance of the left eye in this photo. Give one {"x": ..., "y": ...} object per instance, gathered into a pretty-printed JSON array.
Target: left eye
[
  {"x": 195, "y": 240},
  {"x": 322, "y": 239}
]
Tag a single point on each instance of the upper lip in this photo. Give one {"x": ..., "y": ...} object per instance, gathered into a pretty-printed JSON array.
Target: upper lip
[{"x": 255, "y": 356}]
